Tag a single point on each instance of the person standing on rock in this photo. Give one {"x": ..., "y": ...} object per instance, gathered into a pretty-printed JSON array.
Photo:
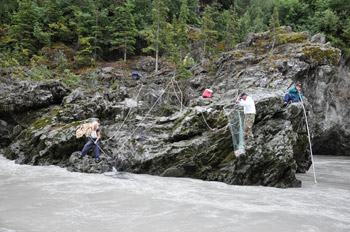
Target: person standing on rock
[
  {"x": 249, "y": 111},
  {"x": 294, "y": 95},
  {"x": 94, "y": 139}
]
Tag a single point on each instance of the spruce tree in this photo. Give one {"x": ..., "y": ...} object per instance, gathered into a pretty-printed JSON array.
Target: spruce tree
[
  {"x": 274, "y": 21},
  {"x": 274, "y": 24},
  {"x": 182, "y": 29},
  {"x": 25, "y": 31},
  {"x": 258, "y": 24},
  {"x": 244, "y": 26},
  {"x": 231, "y": 33},
  {"x": 208, "y": 34},
  {"x": 125, "y": 29},
  {"x": 157, "y": 33}
]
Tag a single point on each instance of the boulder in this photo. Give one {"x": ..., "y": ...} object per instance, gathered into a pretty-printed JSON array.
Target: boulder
[{"x": 18, "y": 97}]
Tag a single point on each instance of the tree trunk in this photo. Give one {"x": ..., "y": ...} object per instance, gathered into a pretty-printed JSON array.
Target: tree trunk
[
  {"x": 125, "y": 49},
  {"x": 157, "y": 49},
  {"x": 96, "y": 23}
]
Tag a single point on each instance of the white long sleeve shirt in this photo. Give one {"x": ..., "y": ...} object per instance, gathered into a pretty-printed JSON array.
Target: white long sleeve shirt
[{"x": 249, "y": 105}]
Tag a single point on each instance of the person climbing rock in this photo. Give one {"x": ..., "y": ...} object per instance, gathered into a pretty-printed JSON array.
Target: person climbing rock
[
  {"x": 95, "y": 135},
  {"x": 249, "y": 111},
  {"x": 293, "y": 95}
]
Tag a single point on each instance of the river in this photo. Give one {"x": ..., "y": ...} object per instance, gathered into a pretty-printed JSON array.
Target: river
[{"x": 51, "y": 199}]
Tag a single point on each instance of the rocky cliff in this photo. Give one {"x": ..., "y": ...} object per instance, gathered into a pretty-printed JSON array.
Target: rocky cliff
[{"x": 160, "y": 125}]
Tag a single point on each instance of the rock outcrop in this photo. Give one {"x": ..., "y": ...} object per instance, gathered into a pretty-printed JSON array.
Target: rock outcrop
[{"x": 146, "y": 129}]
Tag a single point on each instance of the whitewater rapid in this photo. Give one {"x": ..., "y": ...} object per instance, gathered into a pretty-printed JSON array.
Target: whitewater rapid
[{"x": 49, "y": 198}]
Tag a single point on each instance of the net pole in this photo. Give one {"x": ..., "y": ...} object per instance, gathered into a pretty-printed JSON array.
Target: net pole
[{"x": 308, "y": 135}]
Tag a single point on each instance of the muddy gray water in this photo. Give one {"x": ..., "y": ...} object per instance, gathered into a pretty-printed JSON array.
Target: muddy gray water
[{"x": 52, "y": 199}]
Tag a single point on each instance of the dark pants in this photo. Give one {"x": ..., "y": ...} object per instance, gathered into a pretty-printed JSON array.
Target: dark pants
[
  {"x": 288, "y": 98},
  {"x": 88, "y": 146}
]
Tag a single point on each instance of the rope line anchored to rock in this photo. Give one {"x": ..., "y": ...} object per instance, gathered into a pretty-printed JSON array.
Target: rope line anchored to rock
[
  {"x": 182, "y": 105},
  {"x": 125, "y": 117},
  {"x": 144, "y": 118}
]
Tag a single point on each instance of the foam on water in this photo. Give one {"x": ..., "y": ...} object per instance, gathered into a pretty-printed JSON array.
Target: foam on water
[{"x": 52, "y": 199}]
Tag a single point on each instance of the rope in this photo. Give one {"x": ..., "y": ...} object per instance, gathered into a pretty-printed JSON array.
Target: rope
[
  {"x": 108, "y": 157},
  {"x": 126, "y": 116},
  {"x": 172, "y": 83},
  {"x": 144, "y": 118},
  {"x": 308, "y": 134},
  {"x": 206, "y": 122},
  {"x": 180, "y": 101},
  {"x": 181, "y": 94}
]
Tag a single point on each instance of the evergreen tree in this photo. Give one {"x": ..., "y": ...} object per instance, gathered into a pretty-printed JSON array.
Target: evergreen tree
[
  {"x": 208, "y": 33},
  {"x": 25, "y": 31},
  {"x": 156, "y": 35},
  {"x": 182, "y": 28},
  {"x": 62, "y": 22},
  {"x": 125, "y": 29},
  {"x": 231, "y": 33},
  {"x": 258, "y": 24},
  {"x": 101, "y": 33},
  {"x": 193, "y": 17},
  {"x": 7, "y": 7},
  {"x": 274, "y": 21},
  {"x": 83, "y": 57},
  {"x": 244, "y": 26},
  {"x": 218, "y": 18},
  {"x": 328, "y": 21},
  {"x": 142, "y": 13},
  {"x": 274, "y": 24},
  {"x": 346, "y": 35}
]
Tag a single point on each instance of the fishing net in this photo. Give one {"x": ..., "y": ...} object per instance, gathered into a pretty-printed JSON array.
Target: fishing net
[{"x": 235, "y": 119}]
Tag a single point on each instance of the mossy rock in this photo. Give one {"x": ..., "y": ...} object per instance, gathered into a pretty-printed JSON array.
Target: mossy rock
[
  {"x": 292, "y": 38},
  {"x": 322, "y": 55}
]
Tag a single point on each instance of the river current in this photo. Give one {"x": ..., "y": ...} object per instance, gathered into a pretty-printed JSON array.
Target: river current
[{"x": 52, "y": 199}]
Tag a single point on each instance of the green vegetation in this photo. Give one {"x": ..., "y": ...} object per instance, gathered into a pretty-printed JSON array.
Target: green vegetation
[
  {"x": 61, "y": 35},
  {"x": 324, "y": 56}
]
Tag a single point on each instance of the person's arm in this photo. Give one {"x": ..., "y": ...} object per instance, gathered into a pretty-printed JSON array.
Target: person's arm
[
  {"x": 246, "y": 102},
  {"x": 301, "y": 97},
  {"x": 98, "y": 135},
  {"x": 293, "y": 90}
]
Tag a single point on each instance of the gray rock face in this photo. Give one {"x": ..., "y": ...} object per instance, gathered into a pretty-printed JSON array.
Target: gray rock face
[
  {"x": 329, "y": 94},
  {"x": 145, "y": 129},
  {"x": 25, "y": 96},
  {"x": 318, "y": 38}
]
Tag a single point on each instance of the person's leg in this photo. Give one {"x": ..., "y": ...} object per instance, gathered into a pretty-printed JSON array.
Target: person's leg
[
  {"x": 86, "y": 148},
  {"x": 295, "y": 100},
  {"x": 286, "y": 97},
  {"x": 97, "y": 150},
  {"x": 245, "y": 128},
  {"x": 249, "y": 125}
]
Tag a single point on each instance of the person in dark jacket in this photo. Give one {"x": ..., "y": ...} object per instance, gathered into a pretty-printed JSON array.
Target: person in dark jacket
[{"x": 294, "y": 95}]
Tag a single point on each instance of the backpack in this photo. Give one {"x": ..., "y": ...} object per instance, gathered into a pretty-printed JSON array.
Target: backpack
[{"x": 81, "y": 130}]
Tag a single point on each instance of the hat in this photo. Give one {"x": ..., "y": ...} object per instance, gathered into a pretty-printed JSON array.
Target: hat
[
  {"x": 242, "y": 94},
  {"x": 299, "y": 84}
]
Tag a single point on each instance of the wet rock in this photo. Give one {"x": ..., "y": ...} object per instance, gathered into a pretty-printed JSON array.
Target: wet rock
[{"x": 87, "y": 164}]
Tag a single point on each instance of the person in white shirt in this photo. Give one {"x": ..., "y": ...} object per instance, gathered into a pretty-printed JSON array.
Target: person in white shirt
[
  {"x": 249, "y": 111},
  {"x": 95, "y": 135}
]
